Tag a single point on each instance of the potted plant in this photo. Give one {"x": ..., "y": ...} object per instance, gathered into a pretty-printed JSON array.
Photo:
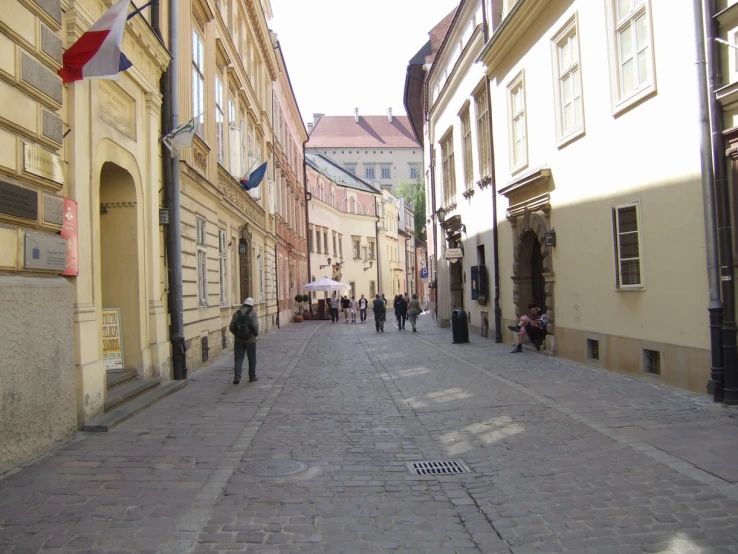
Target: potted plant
[
  {"x": 306, "y": 310},
  {"x": 297, "y": 318}
]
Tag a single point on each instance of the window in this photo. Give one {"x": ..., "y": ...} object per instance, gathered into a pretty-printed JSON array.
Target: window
[
  {"x": 223, "y": 253},
  {"x": 372, "y": 249},
  {"x": 235, "y": 141},
  {"x": 386, "y": 172},
  {"x": 372, "y": 289},
  {"x": 351, "y": 168},
  {"x": 353, "y": 289},
  {"x": 334, "y": 244},
  {"x": 325, "y": 241},
  {"x": 318, "y": 242},
  {"x": 202, "y": 257},
  {"x": 357, "y": 248},
  {"x": 631, "y": 55},
  {"x": 219, "y": 121},
  {"x": 652, "y": 362},
  {"x": 467, "y": 145},
  {"x": 369, "y": 172},
  {"x": 260, "y": 257},
  {"x": 311, "y": 240},
  {"x": 340, "y": 245},
  {"x": 449, "y": 173},
  {"x": 483, "y": 142},
  {"x": 518, "y": 139},
  {"x": 626, "y": 228},
  {"x": 570, "y": 117},
  {"x": 593, "y": 349},
  {"x": 198, "y": 82},
  {"x": 413, "y": 172}
]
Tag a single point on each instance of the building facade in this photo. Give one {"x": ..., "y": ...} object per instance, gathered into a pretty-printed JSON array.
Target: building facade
[
  {"x": 227, "y": 70},
  {"x": 343, "y": 230},
  {"x": 288, "y": 193}
]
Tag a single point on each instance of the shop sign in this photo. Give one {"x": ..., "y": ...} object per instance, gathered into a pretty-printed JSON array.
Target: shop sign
[
  {"x": 69, "y": 232},
  {"x": 43, "y": 163},
  {"x": 112, "y": 339},
  {"x": 44, "y": 251},
  {"x": 453, "y": 254}
]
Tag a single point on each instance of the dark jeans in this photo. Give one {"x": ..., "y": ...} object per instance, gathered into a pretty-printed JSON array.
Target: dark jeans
[
  {"x": 379, "y": 323},
  {"x": 240, "y": 351},
  {"x": 401, "y": 321},
  {"x": 363, "y": 314},
  {"x": 334, "y": 314}
]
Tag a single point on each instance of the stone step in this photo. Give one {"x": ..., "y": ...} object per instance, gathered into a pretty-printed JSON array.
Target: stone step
[
  {"x": 114, "y": 378},
  {"x": 127, "y": 410},
  {"x": 127, "y": 390}
]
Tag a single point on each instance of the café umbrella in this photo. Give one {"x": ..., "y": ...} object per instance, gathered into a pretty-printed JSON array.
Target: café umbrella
[{"x": 325, "y": 284}]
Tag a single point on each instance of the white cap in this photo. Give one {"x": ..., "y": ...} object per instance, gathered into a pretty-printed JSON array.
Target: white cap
[{"x": 248, "y": 302}]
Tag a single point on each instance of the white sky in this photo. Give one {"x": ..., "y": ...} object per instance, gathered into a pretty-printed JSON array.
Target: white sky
[{"x": 343, "y": 54}]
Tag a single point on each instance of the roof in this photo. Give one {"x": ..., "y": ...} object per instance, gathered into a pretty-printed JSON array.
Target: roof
[
  {"x": 372, "y": 131},
  {"x": 337, "y": 174}
]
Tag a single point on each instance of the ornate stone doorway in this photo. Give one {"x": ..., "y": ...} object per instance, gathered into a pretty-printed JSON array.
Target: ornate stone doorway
[{"x": 532, "y": 264}]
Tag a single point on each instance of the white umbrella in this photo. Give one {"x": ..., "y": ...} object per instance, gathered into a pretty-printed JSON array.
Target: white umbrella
[{"x": 326, "y": 284}]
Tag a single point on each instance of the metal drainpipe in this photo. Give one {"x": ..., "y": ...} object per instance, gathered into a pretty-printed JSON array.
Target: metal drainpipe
[
  {"x": 376, "y": 247},
  {"x": 433, "y": 221},
  {"x": 715, "y": 306},
  {"x": 729, "y": 384},
  {"x": 276, "y": 279},
  {"x": 493, "y": 184},
  {"x": 307, "y": 215}
]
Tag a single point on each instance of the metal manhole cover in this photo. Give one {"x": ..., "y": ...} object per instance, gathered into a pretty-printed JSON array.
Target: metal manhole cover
[
  {"x": 272, "y": 468},
  {"x": 438, "y": 467}
]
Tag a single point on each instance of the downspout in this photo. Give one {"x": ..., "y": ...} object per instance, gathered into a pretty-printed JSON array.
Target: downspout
[
  {"x": 493, "y": 184},
  {"x": 726, "y": 386},
  {"x": 276, "y": 280},
  {"x": 170, "y": 174},
  {"x": 308, "y": 197},
  {"x": 433, "y": 221},
  {"x": 376, "y": 249}
]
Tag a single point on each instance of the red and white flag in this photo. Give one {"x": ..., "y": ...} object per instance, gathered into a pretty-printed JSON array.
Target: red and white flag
[{"x": 96, "y": 54}]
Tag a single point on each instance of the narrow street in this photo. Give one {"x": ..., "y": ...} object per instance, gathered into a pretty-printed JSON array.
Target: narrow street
[{"x": 563, "y": 458}]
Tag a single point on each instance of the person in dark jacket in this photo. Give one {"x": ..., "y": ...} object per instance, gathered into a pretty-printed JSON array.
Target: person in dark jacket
[
  {"x": 380, "y": 311},
  {"x": 245, "y": 347},
  {"x": 400, "y": 311}
]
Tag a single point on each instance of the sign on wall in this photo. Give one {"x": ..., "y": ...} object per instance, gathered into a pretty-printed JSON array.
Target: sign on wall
[
  {"x": 112, "y": 339},
  {"x": 69, "y": 232},
  {"x": 44, "y": 251},
  {"x": 424, "y": 273},
  {"x": 454, "y": 254}
]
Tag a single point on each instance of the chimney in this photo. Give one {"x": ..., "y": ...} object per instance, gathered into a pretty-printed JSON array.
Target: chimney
[
  {"x": 389, "y": 114},
  {"x": 316, "y": 117},
  {"x": 356, "y": 115},
  {"x": 310, "y": 126}
]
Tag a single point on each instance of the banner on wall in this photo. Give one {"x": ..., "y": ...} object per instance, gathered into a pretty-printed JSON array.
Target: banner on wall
[{"x": 112, "y": 338}]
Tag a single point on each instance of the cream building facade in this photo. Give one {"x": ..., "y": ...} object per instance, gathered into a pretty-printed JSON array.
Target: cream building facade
[
  {"x": 591, "y": 193},
  {"x": 343, "y": 231}
]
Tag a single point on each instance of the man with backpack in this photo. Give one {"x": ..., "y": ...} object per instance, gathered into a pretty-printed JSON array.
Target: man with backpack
[{"x": 245, "y": 328}]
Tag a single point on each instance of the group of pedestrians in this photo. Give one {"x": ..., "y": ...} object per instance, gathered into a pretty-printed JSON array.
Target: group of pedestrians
[
  {"x": 406, "y": 308},
  {"x": 349, "y": 307}
]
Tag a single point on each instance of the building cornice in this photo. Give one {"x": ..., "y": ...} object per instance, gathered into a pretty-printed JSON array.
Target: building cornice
[
  {"x": 511, "y": 31},
  {"x": 263, "y": 37}
]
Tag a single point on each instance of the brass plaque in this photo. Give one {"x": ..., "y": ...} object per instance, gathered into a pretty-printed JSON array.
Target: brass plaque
[
  {"x": 117, "y": 109},
  {"x": 43, "y": 163}
]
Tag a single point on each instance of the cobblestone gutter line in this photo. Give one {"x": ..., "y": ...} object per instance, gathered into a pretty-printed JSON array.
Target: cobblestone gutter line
[
  {"x": 728, "y": 489},
  {"x": 478, "y": 525},
  {"x": 193, "y": 520}
]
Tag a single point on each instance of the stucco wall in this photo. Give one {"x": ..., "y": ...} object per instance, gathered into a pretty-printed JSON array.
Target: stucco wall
[{"x": 38, "y": 407}]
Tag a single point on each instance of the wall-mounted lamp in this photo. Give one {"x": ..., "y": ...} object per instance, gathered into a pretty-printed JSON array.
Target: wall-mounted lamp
[
  {"x": 326, "y": 265},
  {"x": 370, "y": 266},
  {"x": 441, "y": 214}
]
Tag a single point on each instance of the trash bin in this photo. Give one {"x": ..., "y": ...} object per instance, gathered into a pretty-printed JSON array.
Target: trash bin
[{"x": 459, "y": 326}]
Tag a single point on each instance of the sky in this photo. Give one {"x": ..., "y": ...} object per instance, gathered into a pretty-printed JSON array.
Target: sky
[{"x": 346, "y": 54}]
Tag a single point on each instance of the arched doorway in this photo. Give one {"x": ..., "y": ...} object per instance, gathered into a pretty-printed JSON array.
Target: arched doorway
[
  {"x": 531, "y": 282},
  {"x": 119, "y": 257},
  {"x": 533, "y": 276}
]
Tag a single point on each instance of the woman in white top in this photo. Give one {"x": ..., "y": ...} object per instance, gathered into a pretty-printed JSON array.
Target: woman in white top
[{"x": 352, "y": 309}]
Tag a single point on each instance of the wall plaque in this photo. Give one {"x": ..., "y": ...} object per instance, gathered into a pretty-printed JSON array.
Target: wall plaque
[
  {"x": 117, "y": 108},
  {"x": 69, "y": 232},
  {"x": 53, "y": 209},
  {"x": 44, "y": 251},
  {"x": 18, "y": 201},
  {"x": 43, "y": 163}
]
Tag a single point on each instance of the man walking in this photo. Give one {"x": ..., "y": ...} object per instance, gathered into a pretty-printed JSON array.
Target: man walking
[
  {"x": 334, "y": 308},
  {"x": 245, "y": 328},
  {"x": 362, "y": 308},
  {"x": 380, "y": 310}
]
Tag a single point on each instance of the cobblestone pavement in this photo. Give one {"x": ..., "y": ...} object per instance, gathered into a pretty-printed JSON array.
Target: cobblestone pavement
[{"x": 563, "y": 458}]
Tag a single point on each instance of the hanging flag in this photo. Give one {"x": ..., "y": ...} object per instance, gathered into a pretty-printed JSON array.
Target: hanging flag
[
  {"x": 255, "y": 178},
  {"x": 96, "y": 54},
  {"x": 181, "y": 137}
]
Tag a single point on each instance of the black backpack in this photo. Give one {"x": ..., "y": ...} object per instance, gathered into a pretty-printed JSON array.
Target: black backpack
[{"x": 243, "y": 325}]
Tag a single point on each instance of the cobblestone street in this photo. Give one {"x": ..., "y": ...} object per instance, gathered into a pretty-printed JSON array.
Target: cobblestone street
[{"x": 563, "y": 457}]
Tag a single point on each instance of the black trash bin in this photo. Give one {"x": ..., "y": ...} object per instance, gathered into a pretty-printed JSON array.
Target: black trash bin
[{"x": 459, "y": 326}]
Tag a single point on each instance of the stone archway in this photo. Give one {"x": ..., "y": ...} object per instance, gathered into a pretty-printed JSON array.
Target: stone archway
[{"x": 533, "y": 275}]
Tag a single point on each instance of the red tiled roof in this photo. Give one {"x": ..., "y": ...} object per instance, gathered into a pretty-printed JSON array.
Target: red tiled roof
[
  {"x": 372, "y": 131},
  {"x": 438, "y": 33}
]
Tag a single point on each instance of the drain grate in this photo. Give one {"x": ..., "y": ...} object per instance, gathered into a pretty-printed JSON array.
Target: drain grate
[
  {"x": 438, "y": 467},
  {"x": 272, "y": 468}
]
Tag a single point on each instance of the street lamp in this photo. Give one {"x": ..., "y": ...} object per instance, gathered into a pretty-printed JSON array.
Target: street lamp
[
  {"x": 441, "y": 214},
  {"x": 326, "y": 265}
]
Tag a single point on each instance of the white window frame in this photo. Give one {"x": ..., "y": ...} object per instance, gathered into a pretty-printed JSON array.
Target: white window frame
[
  {"x": 568, "y": 35},
  {"x": 223, "y": 254},
  {"x": 356, "y": 247},
  {"x": 201, "y": 241},
  {"x": 372, "y": 248},
  {"x": 616, "y": 247},
  {"x": 622, "y": 100},
  {"x": 382, "y": 169},
  {"x": 466, "y": 146},
  {"x": 448, "y": 166},
  {"x": 515, "y": 86},
  {"x": 414, "y": 172},
  {"x": 261, "y": 275},
  {"x": 481, "y": 116},
  {"x": 369, "y": 173},
  {"x": 219, "y": 121},
  {"x": 198, "y": 82}
]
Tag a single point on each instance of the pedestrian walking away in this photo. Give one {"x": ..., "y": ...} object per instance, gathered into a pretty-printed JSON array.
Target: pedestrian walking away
[
  {"x": 413, "y": 311},
  {"x": 245, "y": 328},
  {"x": 363, "y": 304},
  {"x": 400, "y": 311},
  {"x": 380, "y": 311}
]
